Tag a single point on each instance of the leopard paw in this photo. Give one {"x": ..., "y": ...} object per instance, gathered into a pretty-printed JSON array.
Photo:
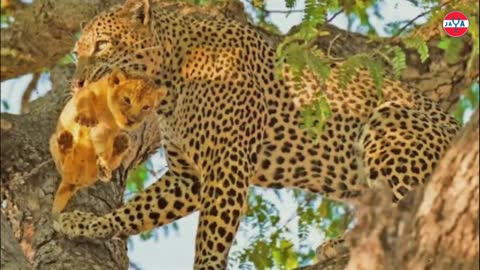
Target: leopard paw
[
  {"x": 86, "y": 120},
  {"x": 120, "y": 144},
  {"x": 78, "y": 224},
  {"x": 65, "y": 141}
]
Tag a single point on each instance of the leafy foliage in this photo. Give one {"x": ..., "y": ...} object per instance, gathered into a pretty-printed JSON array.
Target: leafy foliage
[
  {"x": 281, "y": 241},
  {"x": 417, "y": 43},
  {"x": 452, "y": 48},
  {"x": 398, "y": 61}
]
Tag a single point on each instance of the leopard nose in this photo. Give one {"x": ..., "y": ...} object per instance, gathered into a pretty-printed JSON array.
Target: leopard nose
[{"x": 77, "y": 84}]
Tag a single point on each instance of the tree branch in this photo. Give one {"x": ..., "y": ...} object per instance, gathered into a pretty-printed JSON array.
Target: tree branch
[
  {"x": 12, "y": 257},
  {"x": 28, "y": 92},
  {"x": 42, "y": 33}
]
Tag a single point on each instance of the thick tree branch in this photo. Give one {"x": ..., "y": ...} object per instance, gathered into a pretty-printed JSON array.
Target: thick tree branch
[
  {"x": 44, "y": 32},
  {"x": 12, "y": 257}
]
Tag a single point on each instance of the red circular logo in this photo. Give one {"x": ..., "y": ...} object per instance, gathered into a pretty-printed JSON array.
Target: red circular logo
[{"x": 455, "y": 24}]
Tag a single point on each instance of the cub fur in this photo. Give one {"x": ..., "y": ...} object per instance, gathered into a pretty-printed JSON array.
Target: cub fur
[{"x": 90, "y": 142}]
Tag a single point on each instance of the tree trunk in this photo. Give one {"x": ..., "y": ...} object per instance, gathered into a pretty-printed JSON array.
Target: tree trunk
[{"x": 44, "y": 32}]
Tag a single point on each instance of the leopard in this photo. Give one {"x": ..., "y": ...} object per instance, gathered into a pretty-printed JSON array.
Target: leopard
[
  {"x": 228, "y": 123},
  {"x": 89, "y": 141}
]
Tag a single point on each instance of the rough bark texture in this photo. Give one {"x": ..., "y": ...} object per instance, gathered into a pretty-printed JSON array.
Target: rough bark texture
[
  {"x": 44, "y": 31},
  {"x": 51, "y": 23},
  {"x": 12, "y": 256}
]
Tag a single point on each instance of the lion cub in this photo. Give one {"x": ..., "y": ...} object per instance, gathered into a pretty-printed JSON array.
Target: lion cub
[{"x": 90, "y": 141}]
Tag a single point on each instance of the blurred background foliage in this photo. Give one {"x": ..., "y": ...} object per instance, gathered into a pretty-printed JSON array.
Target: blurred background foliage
[{"x": 277, "y": 241}]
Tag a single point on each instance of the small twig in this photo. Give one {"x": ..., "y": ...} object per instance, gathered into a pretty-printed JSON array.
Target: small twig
[
  {"x": 334, "y": 16},
  {"x": 330, "y": 45},
  {"x": 28, "y": 92},
  {"x": 418, "y": 17}
]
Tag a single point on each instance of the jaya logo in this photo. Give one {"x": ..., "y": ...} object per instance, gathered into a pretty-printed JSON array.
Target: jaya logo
[{"x": 455, "y": 24}]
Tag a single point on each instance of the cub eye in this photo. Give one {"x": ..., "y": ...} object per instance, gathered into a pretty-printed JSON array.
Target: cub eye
[
  {"x": 146, "y": 107},
  {"x": 127, "y": 100},
  {"x": 100, "y": 45}
]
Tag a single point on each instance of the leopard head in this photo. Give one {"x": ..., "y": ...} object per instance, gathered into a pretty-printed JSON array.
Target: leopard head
[{"x": 119, "y": 38}]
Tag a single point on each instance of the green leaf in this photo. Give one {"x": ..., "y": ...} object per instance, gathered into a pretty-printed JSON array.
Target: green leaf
[
  {"x": 349, "y": 68},
  {"x": 418, "y": 44},
  {"x": 137, "y": 178},
  {"x": 290, "y": 3},
  {"x": 377, "y": 71},
  {"x": 399, "y": 61},
  {"x": 260, "y": 256}
]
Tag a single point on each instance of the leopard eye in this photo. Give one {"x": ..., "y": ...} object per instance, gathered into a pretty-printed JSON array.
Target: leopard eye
[
  {"x": 100, "y": 45},
  {"x": 127, "y": 100},
  {"x": 146, "y": 107}
]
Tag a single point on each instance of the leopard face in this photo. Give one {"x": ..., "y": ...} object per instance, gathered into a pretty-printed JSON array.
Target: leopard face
[{"x": 115, "y": 39}]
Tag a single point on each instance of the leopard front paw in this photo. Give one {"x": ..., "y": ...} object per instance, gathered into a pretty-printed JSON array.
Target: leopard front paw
[
  {"x": 77, "y": 224},
  {"x": 85, "y": 119}
]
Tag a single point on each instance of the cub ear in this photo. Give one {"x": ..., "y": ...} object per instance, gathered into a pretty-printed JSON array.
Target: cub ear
[
  {"x": 139, "y": 9},
  {"x": 116, "y": 77}
]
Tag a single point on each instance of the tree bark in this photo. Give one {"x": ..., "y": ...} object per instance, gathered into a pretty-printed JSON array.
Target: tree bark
[
  {"x": 44, "y": 32},
  {"x": 12, "y": 256}
]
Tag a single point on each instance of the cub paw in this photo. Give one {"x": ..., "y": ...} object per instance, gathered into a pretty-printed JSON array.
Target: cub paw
[
  {"x": 76, "y": 224},
  {"x": 86, "y": 120},
  {"x": 120, "y": 144},
  {"x": 65, "y": 141}
]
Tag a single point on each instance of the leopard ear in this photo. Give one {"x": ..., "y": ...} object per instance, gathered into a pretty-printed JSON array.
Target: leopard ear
[
  {"x": 139, "y": 9},
  {"x": 116, "y": 77}
]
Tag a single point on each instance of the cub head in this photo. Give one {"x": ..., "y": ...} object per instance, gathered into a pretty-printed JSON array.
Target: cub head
[{"x": 130, "y": 100}]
